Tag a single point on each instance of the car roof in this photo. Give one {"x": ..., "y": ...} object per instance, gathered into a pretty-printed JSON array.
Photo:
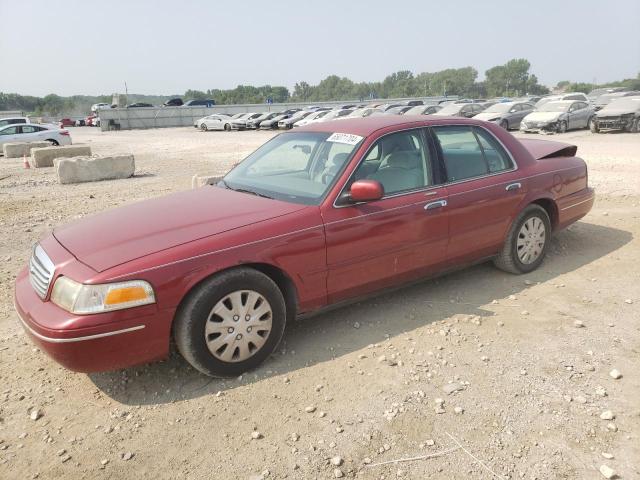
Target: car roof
[{"x": 368, "y": 125}]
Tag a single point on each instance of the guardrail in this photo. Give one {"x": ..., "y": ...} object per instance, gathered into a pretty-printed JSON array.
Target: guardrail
[{"x": 163, "y": 117}]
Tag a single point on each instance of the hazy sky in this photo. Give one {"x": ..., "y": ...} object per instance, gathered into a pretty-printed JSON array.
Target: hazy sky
[{"x": 165, "y": 47}]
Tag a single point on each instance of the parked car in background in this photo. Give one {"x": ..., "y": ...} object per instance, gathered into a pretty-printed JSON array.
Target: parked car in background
[
  {"x": 199, "y": 103},
  {"x": 303, "y": 217},
  {"x": 398, "y": 110},
  {"x": 30, "y": 132},
  {"x": 272, "y": 123},
  {"x": 66, "y": 122},
  {"x": 254, "y": 123},
  {"x": 217, "y": 121},
  {"x": 13, "y": 120},
  {"x": 597, "y": 92},
  {"x": 288, "y": 123},
  {"x": 620, "y": 114},
  {"x": 139, "y": 105},
  {"x": 97, "y": 106},
  {"x": 174, "y": 102},
  {"x": 240, "y": 122},
  {"x": 314, "y": 116},
  {"x": 361, "y": 113},
  {"x": 532, "y": 99},
  {"x": 332, "y": 115},
  {"x": 91, "y": 120},
  {"x": 605, "y": 99},
  {"x": 423, "y": 110},
  {"x": 558, "y": 116},
  {"x": 508, "y": 115},
  {"x": 466, "y": 110},
  {"x": 565, "y": 96}
]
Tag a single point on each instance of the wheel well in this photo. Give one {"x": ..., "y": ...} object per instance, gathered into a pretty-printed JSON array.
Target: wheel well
[
  {"x": 284, "y": 283},
  {"x": 551, "y": 208},
  {"x": 281, "y": 279},
  {"x": 55, "y": 142}
]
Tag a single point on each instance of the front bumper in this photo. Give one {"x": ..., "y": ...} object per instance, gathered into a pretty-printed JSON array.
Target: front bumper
[
  {"x": 535, "y": 127},
  {"x": 618, "y": 123},
  {"x": 93, "y": 343}
]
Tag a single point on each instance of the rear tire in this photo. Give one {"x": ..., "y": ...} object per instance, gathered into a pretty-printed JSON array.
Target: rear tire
[
  {"x": 205, "y": 338},
  {"x": 526, "y": 243},
  {"x": 54, "y": 143},
  {"x": 227, "y": 127},
  {"x": 504, "y": 124}
]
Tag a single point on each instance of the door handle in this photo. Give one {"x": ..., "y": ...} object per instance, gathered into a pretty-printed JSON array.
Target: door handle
[
  {"x": 513, "y": 186},
  {"x": 436, "y": 204}
]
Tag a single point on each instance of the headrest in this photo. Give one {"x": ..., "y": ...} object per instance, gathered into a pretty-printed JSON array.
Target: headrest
[
  {"x": 339, "y": 158},
  {"x": 405, "y": 160}
]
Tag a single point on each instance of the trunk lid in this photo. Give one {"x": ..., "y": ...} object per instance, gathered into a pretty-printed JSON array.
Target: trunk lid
[{"x": 541, "y": 149}]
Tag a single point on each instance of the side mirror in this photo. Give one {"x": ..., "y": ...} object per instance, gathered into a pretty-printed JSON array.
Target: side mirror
[{"x": 366, "y": 191}]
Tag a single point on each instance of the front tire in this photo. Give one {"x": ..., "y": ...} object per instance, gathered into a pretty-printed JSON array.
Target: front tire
[
  {"x": 593, "y": 125},
  {"x": 227, "y": 127},
  {"x": 504, "y": 124},
  {"x": 527, "y": 241},
  {"x": 54, "y": 143},
  {"x": 562, "y": 127},
  {"x": 231, "y": 323},
  {"x": 204, "y": 127}
]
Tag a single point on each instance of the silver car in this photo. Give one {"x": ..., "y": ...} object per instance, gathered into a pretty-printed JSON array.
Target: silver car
[
  {"x": 621, "y": 114},
  {"x": 559, "y": 117},
  {"x": 506, "y": 114}
]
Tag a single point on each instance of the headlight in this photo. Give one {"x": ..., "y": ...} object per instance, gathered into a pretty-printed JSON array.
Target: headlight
[{"x": 85, "y": 299}]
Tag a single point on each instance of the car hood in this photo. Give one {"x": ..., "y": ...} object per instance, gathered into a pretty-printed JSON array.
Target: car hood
[
  {"x": 123, "y": 234},
  {"x": 488, "y": 115},
  {"x": 542, "y": 116},
  {"x": 614, "y": 112}
]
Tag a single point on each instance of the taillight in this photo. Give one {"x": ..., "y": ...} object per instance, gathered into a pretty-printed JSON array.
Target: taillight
[{"x": 64, "y": 132}]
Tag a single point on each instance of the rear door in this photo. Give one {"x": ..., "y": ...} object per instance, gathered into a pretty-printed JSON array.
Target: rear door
[
  {"x": 381, "y": 243},
  {"x": 484, "y": 190}
]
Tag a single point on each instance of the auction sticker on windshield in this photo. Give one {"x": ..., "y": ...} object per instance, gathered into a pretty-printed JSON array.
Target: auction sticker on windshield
[{"x": 347, "y": 138}]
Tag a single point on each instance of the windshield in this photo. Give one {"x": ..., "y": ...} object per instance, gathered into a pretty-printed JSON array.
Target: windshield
[
  {"x": 297, "y": 167},
  {"x": 499, "y": 108},
  {"x": 554, "y": 107}
]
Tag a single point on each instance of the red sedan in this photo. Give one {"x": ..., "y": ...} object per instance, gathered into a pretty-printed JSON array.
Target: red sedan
[{"x": 327, "y": 213}]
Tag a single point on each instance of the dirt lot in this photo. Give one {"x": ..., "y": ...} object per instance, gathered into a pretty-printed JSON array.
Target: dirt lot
[{"x": 531, "y": 383}]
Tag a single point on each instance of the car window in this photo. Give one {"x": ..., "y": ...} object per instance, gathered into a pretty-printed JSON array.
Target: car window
[
  {"x": 516, "y": 108},
  {"x": 29, "y": 129},
  {"x": 468, "y": 154},
  {"x": 9, "y": 131},
  {"x": 495, "y": 155},
  {"x": 398, "y": 161}
]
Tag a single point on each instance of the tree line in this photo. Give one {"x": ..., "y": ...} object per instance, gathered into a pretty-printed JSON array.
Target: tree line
[{"x": 514, "y": 78}]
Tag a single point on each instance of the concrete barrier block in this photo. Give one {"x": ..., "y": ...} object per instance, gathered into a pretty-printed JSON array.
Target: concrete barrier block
[
  {"x": 15, "y": 150},
  {"x": 33, "y": 145},
  {"x": 201, "y": 180},
  {"x": 44, "y": 157},
  {"x": 93, "y": 169}
]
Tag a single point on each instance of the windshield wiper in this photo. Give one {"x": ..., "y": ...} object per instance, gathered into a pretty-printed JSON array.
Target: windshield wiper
[{"x": 252, "y": 192}]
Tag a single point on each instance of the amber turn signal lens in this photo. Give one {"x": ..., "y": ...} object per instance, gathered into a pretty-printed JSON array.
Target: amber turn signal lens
[{"x": 125, "y": 295}]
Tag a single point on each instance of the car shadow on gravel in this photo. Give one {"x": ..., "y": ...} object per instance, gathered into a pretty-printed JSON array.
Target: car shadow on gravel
[{"x": 345, "y": 330}]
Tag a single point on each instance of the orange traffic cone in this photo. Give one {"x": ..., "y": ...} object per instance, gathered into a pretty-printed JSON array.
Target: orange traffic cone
[{"x": 26, "y": 162}]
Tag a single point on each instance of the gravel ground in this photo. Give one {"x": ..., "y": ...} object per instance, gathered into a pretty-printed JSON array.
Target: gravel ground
[{"x": 478, "y": 371}]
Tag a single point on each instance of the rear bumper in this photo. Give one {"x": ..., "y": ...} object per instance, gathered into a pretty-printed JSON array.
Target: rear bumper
[
  {"x": 92, "y": 343},
  {"x": 575, "y": 206}
]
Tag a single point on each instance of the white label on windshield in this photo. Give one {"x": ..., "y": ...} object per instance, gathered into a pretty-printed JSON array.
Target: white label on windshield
[{"x": 347, "y": 138}]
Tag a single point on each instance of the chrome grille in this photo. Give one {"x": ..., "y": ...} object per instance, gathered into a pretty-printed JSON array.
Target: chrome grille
[{"x": 40, "y": 271}]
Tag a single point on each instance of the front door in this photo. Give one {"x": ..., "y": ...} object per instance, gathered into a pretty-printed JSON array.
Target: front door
[{"x": 399, "y": 237}]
